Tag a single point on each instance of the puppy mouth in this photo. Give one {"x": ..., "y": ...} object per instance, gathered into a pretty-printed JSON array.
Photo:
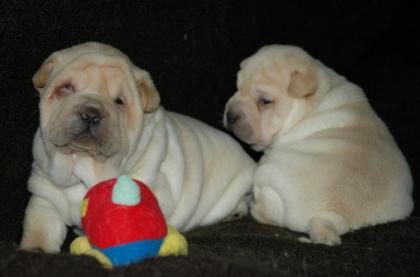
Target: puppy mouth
[
  {"x": 77, "y": 137},
  {"x": 247, "y": 134},
  {"x": 88, "y": 144},
  {"x": 244, "y": 132}
]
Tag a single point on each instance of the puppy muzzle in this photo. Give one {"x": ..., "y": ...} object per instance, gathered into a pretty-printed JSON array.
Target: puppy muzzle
[
  {"x": 236, "y": 121},
  {"x": 86, "y": 128}
]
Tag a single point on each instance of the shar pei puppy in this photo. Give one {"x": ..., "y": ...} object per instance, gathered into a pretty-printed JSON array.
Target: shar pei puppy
[
  {"x": 330, "y": 164},
  {"x": 100, "y": 117}
]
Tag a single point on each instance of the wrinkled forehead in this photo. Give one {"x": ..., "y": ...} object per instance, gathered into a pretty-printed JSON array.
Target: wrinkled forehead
[
  {"x": 96, "y": 73},
  {"x": 95, "y": 68},
  {"x": 260, "y": 77},
  {"x": 269, "y": 67},
  {"x": 100, "y": 62}
]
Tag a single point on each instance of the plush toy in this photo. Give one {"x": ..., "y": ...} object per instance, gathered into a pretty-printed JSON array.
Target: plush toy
[{"x": 123, "y": 223}]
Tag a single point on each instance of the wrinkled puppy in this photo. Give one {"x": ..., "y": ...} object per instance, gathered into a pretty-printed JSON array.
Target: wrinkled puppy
[
  {"x": 330, "y": 164},
  {"x": 99, "y": 118}
]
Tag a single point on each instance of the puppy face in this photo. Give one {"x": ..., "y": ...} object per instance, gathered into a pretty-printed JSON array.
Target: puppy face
[
  {"x": 270, "y": 84},
  {"x": 92, "y": 100}
]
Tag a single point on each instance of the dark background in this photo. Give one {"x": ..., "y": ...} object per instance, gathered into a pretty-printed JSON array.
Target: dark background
[{"x": 193, "y": 50}]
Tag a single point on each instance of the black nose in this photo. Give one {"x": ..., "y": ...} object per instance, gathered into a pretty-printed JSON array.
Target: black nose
[
  {"x": 231, "y": 118},
  {"x": 91, "y": 116}
]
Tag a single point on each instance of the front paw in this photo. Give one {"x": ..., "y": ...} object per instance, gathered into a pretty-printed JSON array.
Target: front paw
[
  {"x": 43, "y": 227},
  {"x": 325, "y": 236},
  {"x": 326, "y": 227},
  {"x": 322, "y": 231},
  {"x": 38, "y": 243}
]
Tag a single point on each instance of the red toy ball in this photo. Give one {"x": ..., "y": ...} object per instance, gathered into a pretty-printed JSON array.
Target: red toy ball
[{"x": 121, "y": 211}]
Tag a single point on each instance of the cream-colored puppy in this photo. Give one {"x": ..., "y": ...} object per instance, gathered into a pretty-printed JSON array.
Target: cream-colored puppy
[
  {"x": 99, "y": 118},
  {"x": 330, "y": 164}
]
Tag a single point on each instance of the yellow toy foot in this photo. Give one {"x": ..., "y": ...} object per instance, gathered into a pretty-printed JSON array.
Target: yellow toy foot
[
  {"x": 174, "y": 244},
  {"x": 81, "y": 246}
]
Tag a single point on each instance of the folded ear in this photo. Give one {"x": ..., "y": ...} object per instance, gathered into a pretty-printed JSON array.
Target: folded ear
[
  {"x": 243, "y": 63},
  {"x": 41, "y": 77},
  {"x": 303, "y": 81},
  {"x": 149, "y": 96}
]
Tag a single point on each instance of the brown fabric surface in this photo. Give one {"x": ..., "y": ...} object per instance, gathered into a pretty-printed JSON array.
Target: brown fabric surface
[{"x": 246, "y": 248}]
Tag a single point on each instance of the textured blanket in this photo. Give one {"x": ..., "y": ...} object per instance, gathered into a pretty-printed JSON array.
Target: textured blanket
[{"x": 246, "y": 248}]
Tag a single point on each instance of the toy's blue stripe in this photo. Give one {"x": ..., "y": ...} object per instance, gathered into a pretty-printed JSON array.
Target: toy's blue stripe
[{"x": 132, "y": 252}]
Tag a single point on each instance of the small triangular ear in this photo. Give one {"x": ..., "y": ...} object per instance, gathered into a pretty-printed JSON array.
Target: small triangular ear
[
  {"x": 41, "y": 77},
  {"x": 149, "y": 96},
  {"x": 303, "y": 82}
]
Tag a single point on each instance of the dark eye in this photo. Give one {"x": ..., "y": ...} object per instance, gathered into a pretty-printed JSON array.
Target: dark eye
[
  {"x": 66, "y": 89},
  {"x": 264, "y": 102},
  {"x": 118, "y": 101}
]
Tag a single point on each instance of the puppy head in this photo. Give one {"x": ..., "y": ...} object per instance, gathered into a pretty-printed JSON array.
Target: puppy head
[
  {"x": 93, "y": 100},
  {"x": 270, "y": 84}
]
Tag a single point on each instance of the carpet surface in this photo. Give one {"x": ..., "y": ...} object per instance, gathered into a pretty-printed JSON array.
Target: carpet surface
[{"x": 246, "y": 248}]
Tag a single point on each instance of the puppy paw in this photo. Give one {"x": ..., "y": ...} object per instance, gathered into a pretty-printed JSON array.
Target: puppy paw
[
  {"x": 324, "y": 228},
  {"x": 268, "y": 207},
  {"x": 304, "y": 240},
  {"x": 325, "y": 236},
  {"x": 39, "y": 243}
]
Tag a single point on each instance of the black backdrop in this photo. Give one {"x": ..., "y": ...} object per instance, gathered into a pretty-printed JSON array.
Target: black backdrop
[{"x": 193, "y": 49}]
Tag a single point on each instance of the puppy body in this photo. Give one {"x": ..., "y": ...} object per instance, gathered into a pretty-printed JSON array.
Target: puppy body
[
  {"x": 183, "y": 160},
  {"x": 330, "y": 164}
]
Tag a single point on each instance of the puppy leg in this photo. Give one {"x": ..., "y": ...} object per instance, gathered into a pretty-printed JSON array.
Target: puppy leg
[
  {"x": 326, "y": 227},
  {"x": 233, "y": 203},
  {"x": 43, "y": 228},
  {"x": 268, "y": 206}
]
